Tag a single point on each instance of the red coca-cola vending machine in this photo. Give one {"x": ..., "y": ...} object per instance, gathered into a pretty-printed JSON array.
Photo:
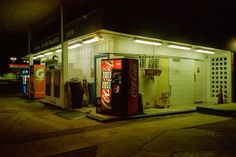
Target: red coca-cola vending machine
[{"x": 119, "y": 87}]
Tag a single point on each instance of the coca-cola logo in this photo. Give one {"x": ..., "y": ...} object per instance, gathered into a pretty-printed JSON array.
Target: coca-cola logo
[
  {"x": 107, "y": 65},
  {"x": 106, "y": 98},
  {"x": 105, "y": 91},
  {"x": 133, "y": 79}
]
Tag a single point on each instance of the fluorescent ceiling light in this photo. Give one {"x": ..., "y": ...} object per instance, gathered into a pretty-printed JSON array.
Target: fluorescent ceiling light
[
  {"x": 74, "y": 46},
  {"x": 48, "y": 53},
  {"x": 35, "y": 57},
  {"x": 59, "y": 50},
  {"x": 147, "y": 42},
  {"x": 91, "y": 40},
  {"x": 179, "y": 47},
  {"x": 40, "y": 56},
  {"x": 205, "y": 51}
]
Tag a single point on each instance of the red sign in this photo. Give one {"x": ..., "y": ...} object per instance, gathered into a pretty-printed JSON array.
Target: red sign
[
  {"x": 105, "y": 99},
  {"x": 106, "y": 85},
  {"x": 19, "y": 65},
  {"x": 38, "y": 81},
  {"x": 117, "y": 64},
  {"x": 107, "y": 66}
]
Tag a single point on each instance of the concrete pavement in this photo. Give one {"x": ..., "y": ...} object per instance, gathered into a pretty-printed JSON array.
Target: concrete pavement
[{"x": 29, "y": 128}]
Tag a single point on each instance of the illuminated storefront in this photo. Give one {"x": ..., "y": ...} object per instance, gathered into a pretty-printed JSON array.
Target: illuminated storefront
[{"x": 170, "y": 73}]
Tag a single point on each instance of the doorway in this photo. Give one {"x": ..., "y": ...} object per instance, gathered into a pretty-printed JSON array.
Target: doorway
[
  {"x": 181, "y": 81},
  {"x": 198, "y": 82},
  {"x": 187, "y": 81}
]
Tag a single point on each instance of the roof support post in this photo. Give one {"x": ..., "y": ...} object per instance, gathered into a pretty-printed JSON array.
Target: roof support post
[{"x": 64, "y": 53}]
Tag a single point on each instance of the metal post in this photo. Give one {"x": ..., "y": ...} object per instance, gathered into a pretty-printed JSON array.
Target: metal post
[
  {"x": 233, "y": 57},
  {"x": 62, "y": 26},
  {"x": 30, "y": 62},
  {"x": 64, "y": 53}
]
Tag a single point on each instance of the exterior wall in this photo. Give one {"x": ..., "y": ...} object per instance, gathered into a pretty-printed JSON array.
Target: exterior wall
[
  {"x": 126, "y": 45},
  {"x": 152, "y": 89},
  {"x": 219, "y": 70},
  {"x": 184, "y": 77},
  {"x": 81, "y": 59}
]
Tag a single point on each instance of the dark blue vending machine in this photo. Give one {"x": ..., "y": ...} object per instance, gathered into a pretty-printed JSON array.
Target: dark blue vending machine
[{"x": 25, "y": 76}]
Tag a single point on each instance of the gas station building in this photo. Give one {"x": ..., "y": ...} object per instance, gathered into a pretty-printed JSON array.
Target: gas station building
[{"x": 169, "y": 72}]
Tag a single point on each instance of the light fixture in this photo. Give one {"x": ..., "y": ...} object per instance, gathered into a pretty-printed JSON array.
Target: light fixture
[
  {"x": 35, "y": 57},
  {"x": 205, "y": 51},
  {"x": 13, "y": 59},
  {"x": 75, "y": 45},
  {"x": 179, "y": 47},
  {"x": 48, "y": 53},
  {"x": 91, "y": 40},
  {"x": 58, "y": 50},
  {"x": 40, "y": 56},
  {"x": 147, "y": 42}
]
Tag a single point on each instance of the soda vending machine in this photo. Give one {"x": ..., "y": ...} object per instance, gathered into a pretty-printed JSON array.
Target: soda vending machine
[
  {"x": 119, "y": 87},
  {"x": 37, "y": 78}
]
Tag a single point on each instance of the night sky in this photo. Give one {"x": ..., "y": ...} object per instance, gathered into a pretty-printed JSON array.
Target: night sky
[
  {"x": 203, "y": 22},
  {"x": 12, "y": 45}
]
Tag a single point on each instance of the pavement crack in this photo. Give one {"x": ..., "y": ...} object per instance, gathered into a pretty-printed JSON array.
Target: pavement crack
[{"x": 145, "y": 143}]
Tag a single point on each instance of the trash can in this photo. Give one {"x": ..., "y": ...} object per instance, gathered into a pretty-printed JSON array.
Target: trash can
[
  {"x": 76, "y": 92},
  {"x": 92, "y": 97}
]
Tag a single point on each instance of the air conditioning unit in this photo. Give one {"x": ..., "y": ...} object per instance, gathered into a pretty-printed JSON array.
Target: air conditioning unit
[{"x": 52, "y": 62}]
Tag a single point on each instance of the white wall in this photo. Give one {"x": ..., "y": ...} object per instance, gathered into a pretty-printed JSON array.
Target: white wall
[
  {"x": 223, "y": 78},
  {"x": 179, "y": 75},
  {"x": 127, "y": 45},
  {"x": 81, "y": 59},
  {"x": 185, "y": 86}
]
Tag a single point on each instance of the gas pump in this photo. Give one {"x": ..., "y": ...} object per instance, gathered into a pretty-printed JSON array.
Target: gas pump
[{"x": 37, "y": 76}]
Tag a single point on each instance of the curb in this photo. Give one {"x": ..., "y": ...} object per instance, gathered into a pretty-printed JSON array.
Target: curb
[
  {"x": 111, "y": 119},
  {"x": 214, "y": 111}
]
